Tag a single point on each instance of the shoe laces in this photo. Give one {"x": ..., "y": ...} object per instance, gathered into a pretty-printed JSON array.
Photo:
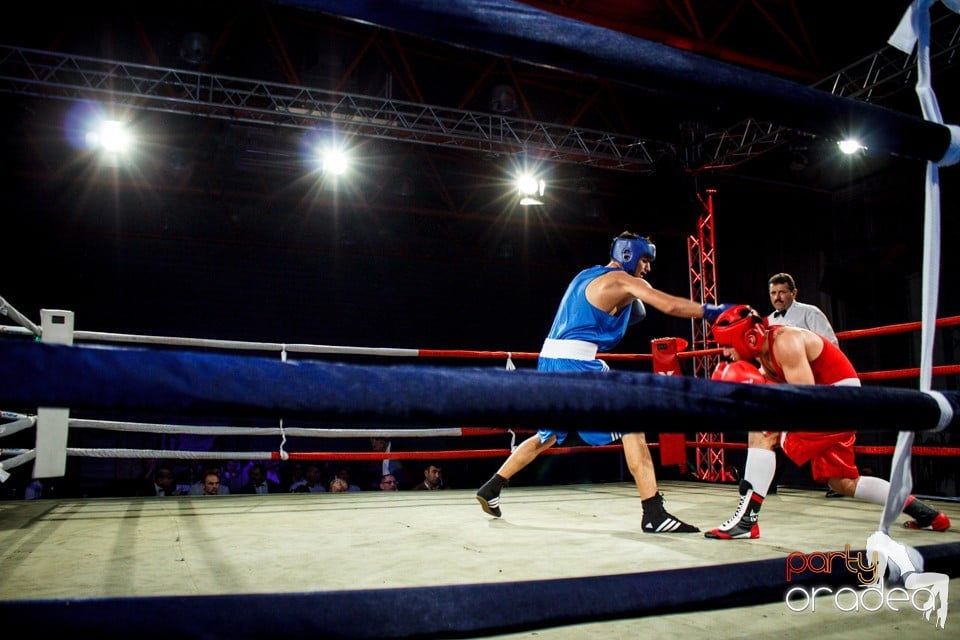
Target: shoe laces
[{"x": 735, "y": 518}]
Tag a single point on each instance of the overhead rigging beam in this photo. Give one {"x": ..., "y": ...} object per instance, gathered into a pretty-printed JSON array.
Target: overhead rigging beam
[
  {"x": 56, "y": 75},
  {"x": 47, "y": 74}
]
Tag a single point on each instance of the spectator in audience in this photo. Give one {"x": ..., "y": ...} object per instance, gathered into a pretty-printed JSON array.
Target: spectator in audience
[
  {"x": 344, "y": 474},
  {"x": 200, "y": 488},
  {"x": 339, "y": 485},
  {"x": 211, "y": 483},
  {"x": 272, "y": 467},
  {"x": 269, "y": 467},
  {"x": 232, "y": 476},
  {"x": 389, "y": 483},
  {"x": 312, "y": 481},
  {"x": 432, "y": 478},
  {"x": 291, "y": 473},
  {"x": 33, "y": 490},
  {"x": 376, "y": 470},
  {"x": 164, "y": 483},
  {"x": 259, "y": 482}
]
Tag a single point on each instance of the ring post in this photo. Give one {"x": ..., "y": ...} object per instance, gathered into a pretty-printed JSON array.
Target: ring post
[{"x": 51, "y": 458}]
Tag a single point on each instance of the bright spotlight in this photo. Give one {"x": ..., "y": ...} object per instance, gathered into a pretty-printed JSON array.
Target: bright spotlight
[
  {"x": 850, "y": 146},
  {"x": 531, "y": 189},
  {"x": 111, "y": 136},
  {"x": 335, "y": 162}
]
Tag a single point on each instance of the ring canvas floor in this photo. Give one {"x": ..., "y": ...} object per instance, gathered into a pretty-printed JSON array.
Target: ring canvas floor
[{"x": 289, "y": 543}]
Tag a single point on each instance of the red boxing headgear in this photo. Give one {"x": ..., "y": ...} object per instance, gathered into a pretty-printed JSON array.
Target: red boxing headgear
[
  {"x": 739, "y": 371},
  {"x": 742, "y": 328}
]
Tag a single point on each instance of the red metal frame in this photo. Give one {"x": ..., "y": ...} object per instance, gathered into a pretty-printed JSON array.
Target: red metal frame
[{"x": 701, "y": 257}]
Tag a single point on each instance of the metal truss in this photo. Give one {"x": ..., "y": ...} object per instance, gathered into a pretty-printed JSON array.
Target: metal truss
[
  {"x": 701, "y": 258},
  {"x": 873, "y": 79},
  {"x": 60, "y": 76},
  {"x": 46, "y": 74}
]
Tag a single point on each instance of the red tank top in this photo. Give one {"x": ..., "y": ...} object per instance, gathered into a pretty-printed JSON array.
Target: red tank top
[{"x": 830, "y": 367}]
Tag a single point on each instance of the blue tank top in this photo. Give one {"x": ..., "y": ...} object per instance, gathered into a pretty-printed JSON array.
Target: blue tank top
[{"x": 577, "y": 319}]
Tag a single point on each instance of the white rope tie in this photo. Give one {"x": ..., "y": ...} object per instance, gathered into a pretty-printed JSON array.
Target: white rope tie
[
  {"x": 283, "y": 441},
  {"x": 946, "y": 410}
]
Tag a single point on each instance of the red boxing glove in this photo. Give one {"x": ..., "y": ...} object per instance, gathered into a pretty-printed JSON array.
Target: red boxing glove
[{"x": 738, "y": 371}]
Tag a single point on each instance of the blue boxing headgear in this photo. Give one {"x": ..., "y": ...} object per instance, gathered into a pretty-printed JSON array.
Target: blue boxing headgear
[{"x": 629, "y": 251}]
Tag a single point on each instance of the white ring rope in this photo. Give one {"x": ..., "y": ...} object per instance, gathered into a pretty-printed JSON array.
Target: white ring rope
[
  {"x": 239, "y": 345},
  {"x": 148, "y": 454},
  {"x": 166, "y": 453},
  {"x": 224, "y": 430},
  {"x": 17, "y": 425},
  {"x": 20, "y": 421},
  {"x": 19, "y": 318},
  {"x": 22, "y": 457}
]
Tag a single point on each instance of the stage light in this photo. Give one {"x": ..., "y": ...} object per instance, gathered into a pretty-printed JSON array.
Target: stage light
[
  {"x": 531, "y": 189},
  {"x": 850, "y": 146},
  {"x": 335, "y": 161},
  {"x": 112, "y": 142},
  {"x": 111, "y": 136}
]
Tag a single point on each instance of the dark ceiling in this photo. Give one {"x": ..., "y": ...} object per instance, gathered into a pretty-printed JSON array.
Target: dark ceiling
[
  {"x": 209, "y": 179},
  {"x": 285, "y": 43}
]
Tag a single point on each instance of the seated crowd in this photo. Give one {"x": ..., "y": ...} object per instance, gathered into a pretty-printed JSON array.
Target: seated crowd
[
  {"x": 176, "y": 477},
  {"x": 292, "y": 476}
]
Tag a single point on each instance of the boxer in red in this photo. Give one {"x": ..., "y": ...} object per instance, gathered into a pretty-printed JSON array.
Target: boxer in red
[{"x": 794, "y": 355}]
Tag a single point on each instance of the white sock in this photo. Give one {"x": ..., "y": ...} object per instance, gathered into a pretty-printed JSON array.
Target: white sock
[
  {"x": 872, "y": 489},
  {"x": 761, "y": 465}
]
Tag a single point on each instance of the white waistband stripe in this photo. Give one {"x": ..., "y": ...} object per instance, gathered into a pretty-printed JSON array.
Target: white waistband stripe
[{"x": 569, "y": 349}]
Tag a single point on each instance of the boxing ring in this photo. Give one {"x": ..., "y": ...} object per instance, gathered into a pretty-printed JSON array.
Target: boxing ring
[
  {"x": 197, "y": 565},
  {"x": 565, "y": 561}
]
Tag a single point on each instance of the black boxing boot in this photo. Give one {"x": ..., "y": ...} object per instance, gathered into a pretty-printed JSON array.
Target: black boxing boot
[
  {"x": 489, "y": 494},
  {"x": 657, "y": 520}
]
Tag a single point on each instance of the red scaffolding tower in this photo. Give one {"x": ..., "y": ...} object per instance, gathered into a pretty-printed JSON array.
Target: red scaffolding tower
[{"x": 701, "y": 257}]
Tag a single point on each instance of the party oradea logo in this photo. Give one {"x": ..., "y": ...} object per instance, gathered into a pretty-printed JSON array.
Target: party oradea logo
[{"x": 923, "y": 592}]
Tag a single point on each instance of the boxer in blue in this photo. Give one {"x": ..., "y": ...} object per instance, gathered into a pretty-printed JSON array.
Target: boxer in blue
[{"x": 598, "y": 306}]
